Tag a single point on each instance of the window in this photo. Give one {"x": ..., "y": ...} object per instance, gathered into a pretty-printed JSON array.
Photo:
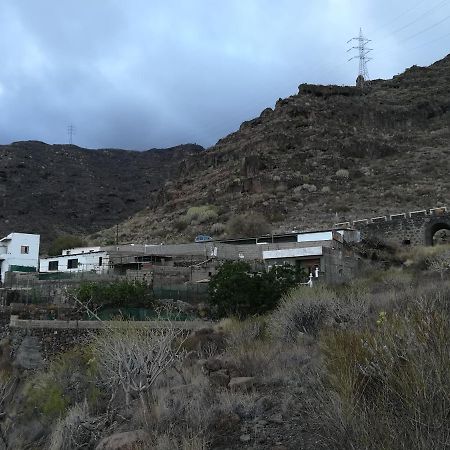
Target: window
[
  {"x": 100, "y": 260},
  {"x": 24, "y": 249},
  {"x": 72, "y": 263},
  {"x": 53, "y": 265}
]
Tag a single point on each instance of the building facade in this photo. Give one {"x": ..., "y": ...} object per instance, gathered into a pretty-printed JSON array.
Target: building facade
[
  {"x": 19, "y": 252},
  {"x": 74, "y": 260}
]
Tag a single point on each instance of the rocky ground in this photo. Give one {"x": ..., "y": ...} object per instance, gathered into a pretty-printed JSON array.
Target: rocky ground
[
  {"x": 54, "y": 189},
  {"x": 324, "y": 155}
]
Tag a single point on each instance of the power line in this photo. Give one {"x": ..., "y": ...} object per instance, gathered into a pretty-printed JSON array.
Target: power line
[
  {"x": 399, "y": 16},
  {"x": 418, "y": 19},
  {"x": 431, "y": 42},
  {"x": 426, "y": 29}
]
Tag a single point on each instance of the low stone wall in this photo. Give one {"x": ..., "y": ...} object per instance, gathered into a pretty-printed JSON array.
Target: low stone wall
[
  {"x": 97, "y": 325},
  {"x": 35, "y": 342}
]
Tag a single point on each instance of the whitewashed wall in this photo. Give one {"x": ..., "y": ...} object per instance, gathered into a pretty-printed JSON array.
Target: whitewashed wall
[
  {"x": 11, "y": 251},
  {"x": 86, "y": 262}
]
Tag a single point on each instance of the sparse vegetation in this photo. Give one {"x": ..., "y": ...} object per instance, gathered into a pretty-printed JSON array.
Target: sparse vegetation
[
  {"x": 245, "y": 225},
  {"x": 119, "y": 293},
  {"x": 362, "y": 365},
  {"x": 64, "y": 242},
  {"x": 201, "y": 214}
]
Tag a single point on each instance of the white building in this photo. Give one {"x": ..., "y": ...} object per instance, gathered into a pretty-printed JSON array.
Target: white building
[
  {"x": 19, "y": 252},
  {"x": 82, "y": 259}
]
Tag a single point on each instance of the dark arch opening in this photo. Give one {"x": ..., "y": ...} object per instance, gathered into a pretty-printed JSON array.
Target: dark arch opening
[{"x": 433, "y": 229}]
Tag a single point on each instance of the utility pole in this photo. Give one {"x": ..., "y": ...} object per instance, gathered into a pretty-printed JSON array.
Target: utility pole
[
  {"x": 363, "y": 51},
  {"x": 70, "y": 132}
]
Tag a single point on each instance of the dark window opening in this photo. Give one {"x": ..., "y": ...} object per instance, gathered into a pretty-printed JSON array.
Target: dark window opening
[
  {"x": 53, "y": 265},
  {"x": 100, "y": 260},
  {"x": 406, "y": 242},
  {"x": 72, "y": 263},
  {"x": 24, "y": 249}
]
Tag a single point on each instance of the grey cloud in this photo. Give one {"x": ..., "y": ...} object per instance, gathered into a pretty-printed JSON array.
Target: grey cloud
[{"x": 158, "y": 73}]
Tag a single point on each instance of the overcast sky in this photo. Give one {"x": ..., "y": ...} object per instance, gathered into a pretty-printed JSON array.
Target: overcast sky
[{"x": 139, "y": 74}]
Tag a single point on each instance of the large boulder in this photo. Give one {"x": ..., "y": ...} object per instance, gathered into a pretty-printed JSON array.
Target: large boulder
[
  {"x": 128, "y": 440},
  {"x": 28, "y": 355}
]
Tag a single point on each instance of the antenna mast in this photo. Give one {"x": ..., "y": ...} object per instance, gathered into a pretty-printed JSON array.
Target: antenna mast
[{"x": 363, "y": 51}]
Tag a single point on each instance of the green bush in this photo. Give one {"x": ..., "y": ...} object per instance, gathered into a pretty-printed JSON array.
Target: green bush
[
  {"x": 64, "y": 242},
  {"x": 69, "y": 379},
  {"x": 46, "y": 396},
  {"x": 118, "y": 293},
  {"x": 237, "y": 291}
]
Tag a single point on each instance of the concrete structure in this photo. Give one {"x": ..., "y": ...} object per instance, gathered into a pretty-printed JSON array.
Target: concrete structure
[
  {"x": 83, "y": 259},
  {"x": 176, "y": 265},
  {"x": 19, "y": 252},
  {"x": 412, "y": 228}
]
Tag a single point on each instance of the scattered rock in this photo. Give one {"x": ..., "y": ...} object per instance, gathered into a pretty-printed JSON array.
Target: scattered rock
[
  {"x": 263, "y": 404},
  {"x": 219, "y": 378},
  {"x": 124, "y": 441},
  {"x": 276, "y": 418},
  {"x": 213, "y": 364},
  {"x": 241, "y": 383},
  {"x": 205, "y": 339}
]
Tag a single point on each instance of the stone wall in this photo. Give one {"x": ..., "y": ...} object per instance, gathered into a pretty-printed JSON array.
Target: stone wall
[
  {"x": 412, "y": 228},
  {"x": 35, "y": 342}
]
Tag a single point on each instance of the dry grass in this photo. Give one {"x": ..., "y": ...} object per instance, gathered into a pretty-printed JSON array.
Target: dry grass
[{"x": 389, "y": 387}]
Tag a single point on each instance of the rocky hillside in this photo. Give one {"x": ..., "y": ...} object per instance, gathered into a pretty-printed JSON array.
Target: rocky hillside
[
  {"x": 53, "y": 189},
  {"x": 323, "y": 155}
]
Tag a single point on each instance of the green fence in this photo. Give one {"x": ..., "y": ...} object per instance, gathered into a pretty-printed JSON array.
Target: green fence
[
  {"x": 140, "y": 314},
  {"x": 185, "y": 292}
]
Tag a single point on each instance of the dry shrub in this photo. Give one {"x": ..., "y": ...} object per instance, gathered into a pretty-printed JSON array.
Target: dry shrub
[
  {"x": 389, "y": 387},
  {"x": 303, "y": 310},
  {"x": 240, "y": 333},
  {"x": 250, "y": 224},
  {"x": 130, "y": 358},
  {"x": 74, "y": 430},
  {"x": 201, "y": 214},
  {"x": 241, "y": 403},
  {"x": 186, "y": 406}
]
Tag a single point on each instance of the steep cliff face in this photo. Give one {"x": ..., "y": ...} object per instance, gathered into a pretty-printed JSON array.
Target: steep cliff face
[
  {"x": 327, "y": 154},
  {"x": 50, "y": 189}
]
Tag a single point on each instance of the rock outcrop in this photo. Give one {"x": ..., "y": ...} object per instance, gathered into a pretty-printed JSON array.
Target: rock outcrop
[{"x": 391, "y": 141}]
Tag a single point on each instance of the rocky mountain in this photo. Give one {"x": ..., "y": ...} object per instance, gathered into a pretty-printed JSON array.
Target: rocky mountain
[
  {"x": 54, "y": 189},
  {"x": 326, "y": 154}
]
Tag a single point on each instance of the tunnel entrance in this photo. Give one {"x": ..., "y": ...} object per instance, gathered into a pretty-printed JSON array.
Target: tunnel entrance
[{"x": 438, "y": 233}]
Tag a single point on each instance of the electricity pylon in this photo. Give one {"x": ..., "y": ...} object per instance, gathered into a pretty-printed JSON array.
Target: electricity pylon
[{"x": 363, "y": 51}]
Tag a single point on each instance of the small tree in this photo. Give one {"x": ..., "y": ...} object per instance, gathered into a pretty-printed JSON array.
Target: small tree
[
  {"x": 237, "y": 291},
  {"x": 130, "y": 359}
]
